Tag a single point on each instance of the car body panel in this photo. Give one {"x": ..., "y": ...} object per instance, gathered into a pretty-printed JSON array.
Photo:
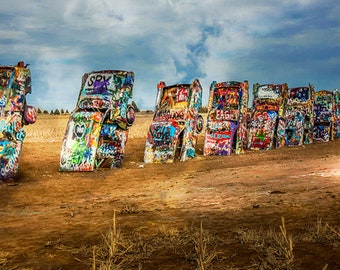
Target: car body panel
[
  {"x": 81, "y": 141},
  {"x": 337, "y": 114},
  {"x": 262, "y": 130},
  {"x": 299, "y": 116},
  {"x": 324, "y": 110},
  {"x": 267, "y": 126},
  {"x": 15, "y": 84},
  {"x": 176, "y": 124},
  {"x": 97, "y": 130},
  {"x": 226, "y": 127}
]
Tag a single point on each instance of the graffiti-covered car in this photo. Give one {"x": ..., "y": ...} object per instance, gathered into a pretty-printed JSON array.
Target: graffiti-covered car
[
  {"x": 324, "y": 110},
  {"x": 176, "y": 124},
  {"x": 97, "y": 130},
  {"x": 299, "y": 116},
  {"x": 226, "y": 127},
  {"x": 15, "y": 84},
  {"x": 337, "y": 114},
  {"x": 267, "y": 125}
]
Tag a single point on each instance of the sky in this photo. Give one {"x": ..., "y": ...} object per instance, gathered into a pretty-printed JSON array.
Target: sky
[{"x": 263, "y": 41}]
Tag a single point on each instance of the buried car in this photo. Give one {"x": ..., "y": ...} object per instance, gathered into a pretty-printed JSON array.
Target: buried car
[
  {"x": 299, "y": 116},
  {"x": 15, "y": 84},
  {"x": 97, "y": 130},
  {"x": 337, "y": 114},
  {"x": 226, "y": 127},
  {"x": 267, "y": 126},
  {"x": 324, "y": 111},
  {"x": 174, "y": 130}
]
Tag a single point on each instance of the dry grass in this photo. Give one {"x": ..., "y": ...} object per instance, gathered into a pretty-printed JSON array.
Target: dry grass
[
  {"x": 3, "y": 258},
  {"x": 323, "y": 233},
  {"x": 47, "y": 128},
  {"x": 278, "y": 251},
  {"x": 205, "y": 256},
  {"x": 51, "y": 128},
  {"x": 197, "y": 247},
  {"x": 275, "y": 250},
  {"x": 119, "y": 251}
]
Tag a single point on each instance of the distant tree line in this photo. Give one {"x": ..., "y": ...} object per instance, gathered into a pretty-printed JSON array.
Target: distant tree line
[
  {"x": 203, "y": 109},
  {"x": 56, "y": 111},
  {"x": 62, "y": 111}
]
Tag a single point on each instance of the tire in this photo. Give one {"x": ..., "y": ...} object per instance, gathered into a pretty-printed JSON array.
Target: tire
[
  {"x": 199, "y": 123},
  {"x": 130, "y": 115}
]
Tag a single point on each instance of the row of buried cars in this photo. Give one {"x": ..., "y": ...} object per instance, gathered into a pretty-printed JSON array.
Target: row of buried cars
[
  {"x": 279, "y": 116},
  {"x": 97, "y": 130}
]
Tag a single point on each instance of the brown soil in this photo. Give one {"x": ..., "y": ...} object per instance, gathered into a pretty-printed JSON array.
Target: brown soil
[{"x": 45, "y": 210}]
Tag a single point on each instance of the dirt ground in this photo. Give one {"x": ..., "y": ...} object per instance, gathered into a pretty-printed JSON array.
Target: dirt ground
[{"x": 44, "y": 209}]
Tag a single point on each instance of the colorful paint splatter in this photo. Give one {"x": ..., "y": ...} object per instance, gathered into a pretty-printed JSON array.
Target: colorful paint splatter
[
  {"x": 267, "y": 127},
  {"x": 97, "y": 131},
  {"x": 337, "y": 114},
  {"x": 15, "y": 84},
  {"x": 299, "y": 116},
  {"x": 324, "y": 110},
  {"x": 176, "y": 123},
  {"x": 226, "y": 122}
]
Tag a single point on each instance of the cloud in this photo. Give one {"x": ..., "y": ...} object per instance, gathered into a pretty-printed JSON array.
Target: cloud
[{"x": 171, "y": 40}]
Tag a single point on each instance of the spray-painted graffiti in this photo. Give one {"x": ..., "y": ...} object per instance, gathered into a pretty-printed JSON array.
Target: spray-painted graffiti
[
  {"x": 337, "y": 114},
  {"x": 262, "y": 128},
  {"x": 15, "y": 84},
  {"x": 228, "y": 102},
  {"x": 294, "y": 127},
  {"x": 176, "y": 123},
  {"x": 163, "y": 140},
  {"x": 324, "y": 110},
  {"x": 268, "y": 91},
  {"x": 267, "y": 125},
  {"x": 81, "y": 141},
  {"x": 97, "y": 131},
  {"x": 299, "y": 116},
  {"x": 112, "y": 146}
]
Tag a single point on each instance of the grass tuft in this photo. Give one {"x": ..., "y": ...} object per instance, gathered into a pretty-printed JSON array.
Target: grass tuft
[
  {"x": 205, "y": 256},
  {"x": 275, "y": 250},
  {"x": 323, "y": 233}
]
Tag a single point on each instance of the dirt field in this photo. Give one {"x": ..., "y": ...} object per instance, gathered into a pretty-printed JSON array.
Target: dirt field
[{"x": 53, "y": 220}]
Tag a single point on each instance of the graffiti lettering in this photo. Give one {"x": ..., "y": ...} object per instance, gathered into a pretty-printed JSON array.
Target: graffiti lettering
[
  {"x": 108, "y": 150},
  {"x": 220, "y": 135},
  {"x": 168, "y": 115},
  {"x": 268, "y": 91},
  {"x": 162, "y": 135},
  {"x": 182, "y": 94},
  {"x": 227, "y": 115},
  {"x": 94, "y": 79}
]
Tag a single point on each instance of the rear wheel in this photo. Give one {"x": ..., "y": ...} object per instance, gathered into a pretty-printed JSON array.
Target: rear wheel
[
  {"x": 130, "y": 115},
  {"x": 199, "y": 123}
]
